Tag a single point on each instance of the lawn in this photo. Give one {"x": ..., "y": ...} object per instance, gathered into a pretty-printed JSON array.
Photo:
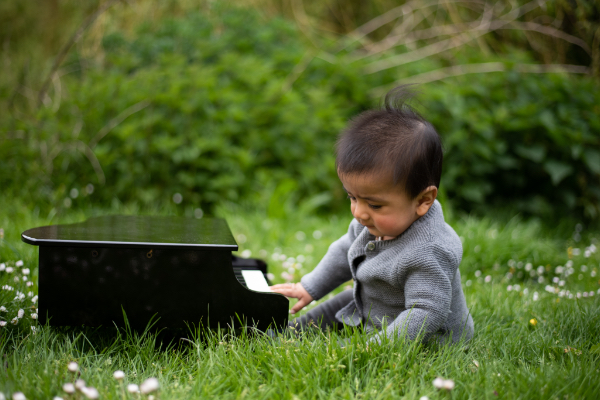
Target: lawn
[{"x": 534, "y": 293}]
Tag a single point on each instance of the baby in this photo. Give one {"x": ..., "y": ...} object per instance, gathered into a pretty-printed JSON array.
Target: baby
[{"x": 401, "y": 254}]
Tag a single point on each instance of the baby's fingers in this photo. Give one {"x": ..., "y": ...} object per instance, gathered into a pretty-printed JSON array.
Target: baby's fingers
[
  {"x": 300, "y": 304},
  {"x": 285, "y": 289}
]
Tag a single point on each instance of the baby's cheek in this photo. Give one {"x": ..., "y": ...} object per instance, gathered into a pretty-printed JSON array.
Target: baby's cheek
[
  {"x": 391, "y": 226},
  {"x": 387, "y": 224}
]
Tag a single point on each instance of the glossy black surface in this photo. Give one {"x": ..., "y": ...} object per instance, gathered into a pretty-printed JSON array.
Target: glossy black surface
[
  {"x": 116, "y": 231},
  {"x": 180, "y": 285}
]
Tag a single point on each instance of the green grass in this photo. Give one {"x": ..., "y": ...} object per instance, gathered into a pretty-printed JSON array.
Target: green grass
[{"x": 558, "y": 357}]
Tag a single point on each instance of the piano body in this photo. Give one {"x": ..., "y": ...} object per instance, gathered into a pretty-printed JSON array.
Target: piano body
[{"x": 177, "y": 270}]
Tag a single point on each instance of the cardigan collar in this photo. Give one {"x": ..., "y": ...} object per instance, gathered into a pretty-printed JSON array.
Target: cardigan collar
[{"x": 419, "y": 230}]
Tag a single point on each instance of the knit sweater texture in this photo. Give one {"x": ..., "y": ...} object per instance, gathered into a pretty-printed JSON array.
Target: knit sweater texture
[{"x": 406, "y": 285}]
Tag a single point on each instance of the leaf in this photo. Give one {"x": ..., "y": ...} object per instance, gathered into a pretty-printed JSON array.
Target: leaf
[
  {"x": 535, "y": 153},
  {"x": 557, "y": 171},
  {"x": 592, "y": 160}
]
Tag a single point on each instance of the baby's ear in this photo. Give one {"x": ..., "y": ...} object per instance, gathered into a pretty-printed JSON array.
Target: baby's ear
[{"x": 425, "y": 200}]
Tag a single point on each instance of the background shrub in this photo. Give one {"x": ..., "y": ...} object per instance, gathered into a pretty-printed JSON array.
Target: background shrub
[{"x": 229, "y": 105}]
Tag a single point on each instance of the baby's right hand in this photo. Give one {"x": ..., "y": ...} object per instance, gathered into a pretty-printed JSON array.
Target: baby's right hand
[{"x": 295, "y": 290}]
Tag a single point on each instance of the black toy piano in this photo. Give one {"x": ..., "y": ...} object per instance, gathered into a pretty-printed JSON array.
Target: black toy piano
[{"x": 179, "y": 272}]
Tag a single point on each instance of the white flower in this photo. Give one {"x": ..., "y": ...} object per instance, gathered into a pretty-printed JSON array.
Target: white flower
[
  {"x": 509, "y": 288},
  {"x": 57, "y": 398},
  {"x": 90, "y": 392},
  {"x": 34, "y": 299},
  {"x": 149, "y": 385},
  {"x": 119, "y": 375},
  {"x": 535, "y": 296},
  {"x": 317, "y": 235},
  {"x": 29, "y": 283},
  {"x": 18, "y": 396},
  {"x": 25, "y": 271},
  {"x": 73, "y": 366},
  {"x": 576, "y": 252},
  {"x": 34, "y": 316},
  {"x": 477, "y": 273},
  {"x": 246, "y": 253},
  {"x": 19, "y": 263},
  {"x": 438, "y": 383},
  {"x": 488, "y": 278},
  {"x": 2, "y": 267},
  {"x": 69, "y": 388},
  {"x": 33, "y": 329},
  {"x": 79, "y": 384},
  {"x": 540, "y": 270},
  {"x": 2, "y": 323},
  {"x": 133, "y": 388},
  {"x": 15, "y": 320},
  {"x": 287, "y": 276},
  {"x": 448, "y": 384},
  {"x": 559, "y": 270},
  {"x": 6, "y": 287},
  {"x": 423, "y": 398},
  {"x": 9, "y": 270},
  {"x": 30, "y": 294},
  {"x": 2, "y": 308},
  {"x": 20, "y": 313}
]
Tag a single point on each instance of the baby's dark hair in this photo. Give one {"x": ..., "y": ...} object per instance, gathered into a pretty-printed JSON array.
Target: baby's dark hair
[{"x": 394, "y": 139}]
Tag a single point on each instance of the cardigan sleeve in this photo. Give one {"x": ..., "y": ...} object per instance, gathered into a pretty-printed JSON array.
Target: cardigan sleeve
[
  {"x": 333, "y": 269},
  {"x": 428, "y": 298}
]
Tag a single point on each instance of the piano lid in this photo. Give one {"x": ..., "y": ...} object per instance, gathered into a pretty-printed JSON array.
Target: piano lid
[{"x": 136, "y": 231}]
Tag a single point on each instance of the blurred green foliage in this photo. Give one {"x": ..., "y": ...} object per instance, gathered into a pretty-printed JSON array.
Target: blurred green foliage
[
  {"x": 220, "y": 123},
  {"x": 233, "y": 106},
  {"x": 530, "y": 141}
]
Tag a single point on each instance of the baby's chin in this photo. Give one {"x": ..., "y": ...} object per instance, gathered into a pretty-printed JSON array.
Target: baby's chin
[{"x": 375, "y": 232}]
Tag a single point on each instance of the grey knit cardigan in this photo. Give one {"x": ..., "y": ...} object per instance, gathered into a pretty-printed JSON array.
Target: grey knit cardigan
[{"x": 407, "y": 285}]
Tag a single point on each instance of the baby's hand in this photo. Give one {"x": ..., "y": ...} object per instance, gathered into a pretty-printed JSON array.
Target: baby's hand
[{"x": 295, "y": 290}]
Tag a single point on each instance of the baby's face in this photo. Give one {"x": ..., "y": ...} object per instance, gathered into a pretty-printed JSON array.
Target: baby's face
[{"x": 380, "y": 205}]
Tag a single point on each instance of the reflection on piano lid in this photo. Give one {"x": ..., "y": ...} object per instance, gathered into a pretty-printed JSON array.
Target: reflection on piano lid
[{"x": 178, "y": 270}]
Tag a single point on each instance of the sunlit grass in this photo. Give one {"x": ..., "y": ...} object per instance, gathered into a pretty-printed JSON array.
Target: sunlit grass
[{"x": 530, "y": 341}]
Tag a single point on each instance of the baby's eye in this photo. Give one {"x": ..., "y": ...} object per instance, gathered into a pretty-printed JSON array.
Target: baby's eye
[
  {"x": 350, "y": 197},
  {"x": 374, "y": 207}
]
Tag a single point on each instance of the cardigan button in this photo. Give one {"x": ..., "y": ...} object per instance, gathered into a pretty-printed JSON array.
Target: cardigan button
[{"x": 371, "y": 246}]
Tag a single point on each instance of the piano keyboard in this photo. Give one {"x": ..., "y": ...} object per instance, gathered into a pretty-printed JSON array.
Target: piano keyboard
[{"x": 253, "y": 279}]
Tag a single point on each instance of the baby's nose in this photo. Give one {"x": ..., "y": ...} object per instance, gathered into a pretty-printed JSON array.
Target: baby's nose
[{"x": 360, "y": 214}]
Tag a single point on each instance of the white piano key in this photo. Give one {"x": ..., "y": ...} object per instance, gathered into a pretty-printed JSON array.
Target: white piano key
[{"x": 255, "y": 280}]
